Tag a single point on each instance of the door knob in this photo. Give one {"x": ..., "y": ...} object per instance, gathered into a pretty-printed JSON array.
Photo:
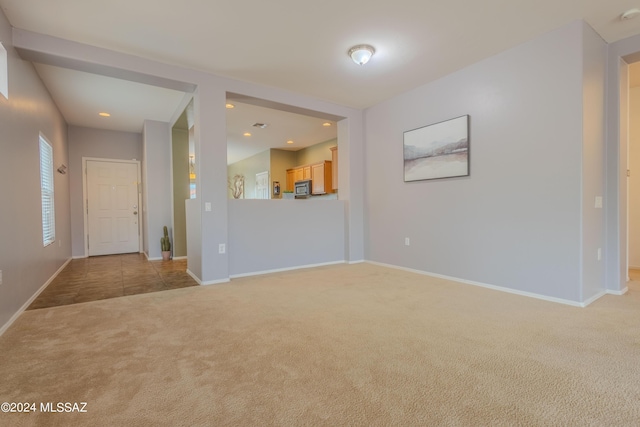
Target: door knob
[{"x": 135, "y": 212}]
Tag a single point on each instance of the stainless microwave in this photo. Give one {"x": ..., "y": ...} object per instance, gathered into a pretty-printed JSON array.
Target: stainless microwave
[{"x": 302, "y": 188}]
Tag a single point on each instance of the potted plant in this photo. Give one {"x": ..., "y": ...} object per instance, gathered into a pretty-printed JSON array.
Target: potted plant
[
  {"x": 288, "y": 194},
  {"x": 165, "y": 245}
]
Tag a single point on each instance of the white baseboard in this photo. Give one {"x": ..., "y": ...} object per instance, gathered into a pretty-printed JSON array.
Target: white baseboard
[
  {"x": 620, "y": 292},
  {"x": 179, "y": 257},
  {"x": 214, "y": 282},
  {"x": 485, "y": 285},
  {"x": 279, "y": 270},
  {"x": 194, "y": 277},
  {"x": 33, "y": 297},
  {"x": 359, "y": 261},
  {"x": 79, "y": 257}
]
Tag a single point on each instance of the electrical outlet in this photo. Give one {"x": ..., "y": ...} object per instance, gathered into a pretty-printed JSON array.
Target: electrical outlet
[
  {"x": 598, "y": 203},
  {"x": 222, "y": 248},
  {"x": 407, "y": 242},
  {"x": 599, "y": 254},
  {"x": 207, "y": 207}
]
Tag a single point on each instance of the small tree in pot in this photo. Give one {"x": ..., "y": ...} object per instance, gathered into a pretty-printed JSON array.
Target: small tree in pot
[{"x": 165, "y": 245}]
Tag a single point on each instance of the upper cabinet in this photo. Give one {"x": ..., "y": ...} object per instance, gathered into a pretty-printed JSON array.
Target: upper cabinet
[{"x": 319, "y": 173}]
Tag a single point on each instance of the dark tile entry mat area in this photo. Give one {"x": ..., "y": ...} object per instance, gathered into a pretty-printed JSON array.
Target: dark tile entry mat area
[{"x": 111, "y": 276}]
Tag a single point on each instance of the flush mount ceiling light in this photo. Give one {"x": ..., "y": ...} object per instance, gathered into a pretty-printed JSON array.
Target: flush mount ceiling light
[
  {"x": 246, "y": 134},
  {"x": 362, "y": 53},
  {"x": 326, "y": 124},
  {"x": 230, "y": 106},
  {"x": 104, "y": 114},
  {"x": 289, "y": 142},
  {"x": 630, "y": 14}
]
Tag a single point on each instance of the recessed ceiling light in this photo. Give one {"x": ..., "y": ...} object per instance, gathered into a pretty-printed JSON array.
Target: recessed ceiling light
[
  {"x": 630, "y": 14},
  {"x": 259, "y": 125},
  {"x": 246, "y": 134},
  {"x": 289, "y": 142},
  {"x": 326, "y": 124},
  {"x": 104, "y": 114},
  {"x": 229, "y": 105}
]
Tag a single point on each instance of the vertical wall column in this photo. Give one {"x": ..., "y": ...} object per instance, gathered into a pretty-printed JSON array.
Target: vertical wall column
[
  {"x": 156, "y": 194},
  {"x": 211, "y": 166},
  {"x": 351, "y": 183}
]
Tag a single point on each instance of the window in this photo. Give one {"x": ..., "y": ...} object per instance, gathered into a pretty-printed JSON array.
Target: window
[
  {"x": 4, "y": 73},
  {"x": 46, "y": 186}
]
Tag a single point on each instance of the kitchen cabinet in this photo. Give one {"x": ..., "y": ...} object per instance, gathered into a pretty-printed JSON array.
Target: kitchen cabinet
[
  {"x": 321, "y": 178},
  {"x": 319, "y": 173},
  {"x": 290, "y": 179}
]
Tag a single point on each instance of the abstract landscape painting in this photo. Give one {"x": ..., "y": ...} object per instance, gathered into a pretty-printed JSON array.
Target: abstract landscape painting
[{"x": 437, "y": 151}]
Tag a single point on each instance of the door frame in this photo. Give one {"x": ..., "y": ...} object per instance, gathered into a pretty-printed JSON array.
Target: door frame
[{"x": 85, "y": 212}]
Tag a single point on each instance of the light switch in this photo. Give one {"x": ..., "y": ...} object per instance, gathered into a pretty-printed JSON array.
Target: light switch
[
  {"x": 0, "y": 277},
  {"x": 598, "y": 201},
  {"x": 207, "y": 206}
]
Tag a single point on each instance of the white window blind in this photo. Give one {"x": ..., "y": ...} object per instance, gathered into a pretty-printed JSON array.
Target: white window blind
[{"x": 46, "y": 185}]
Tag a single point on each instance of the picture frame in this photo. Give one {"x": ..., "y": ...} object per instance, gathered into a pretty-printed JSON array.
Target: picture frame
[
  {"x": 436, "y": 151},
  {"x": 276, "y": 188}
]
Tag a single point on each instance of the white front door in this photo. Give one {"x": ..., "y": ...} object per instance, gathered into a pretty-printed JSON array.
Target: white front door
[{"x": 112, "y": 207}]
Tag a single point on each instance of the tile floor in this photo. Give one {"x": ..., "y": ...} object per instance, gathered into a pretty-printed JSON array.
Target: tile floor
[{"x": 111, "y": 276}]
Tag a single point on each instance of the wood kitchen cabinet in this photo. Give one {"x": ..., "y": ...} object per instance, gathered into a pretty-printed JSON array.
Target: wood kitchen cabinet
[
  {"x": 319, "y": 173},
  {"x": 321, "y": 178},
  {"x": 290, "y": 179}
]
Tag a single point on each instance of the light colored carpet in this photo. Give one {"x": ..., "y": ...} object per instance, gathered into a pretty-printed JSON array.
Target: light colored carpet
[{"x": 337, "y": 345}]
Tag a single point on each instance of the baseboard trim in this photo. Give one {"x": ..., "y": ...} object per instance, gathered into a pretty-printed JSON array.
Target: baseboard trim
[
  {"x": 194, "y": 277},
  {"x": 360, "y": 261},
  {"x": 179, "y": 257},
  {"x": 279, "y": 270},
  {"x": 214, "y": 282},
  {"x": 33, "y": 297},
  {"x": 79, "y": 257},
  {"x": 619, "y": 293},
  {"x": 483, "y": 285}
]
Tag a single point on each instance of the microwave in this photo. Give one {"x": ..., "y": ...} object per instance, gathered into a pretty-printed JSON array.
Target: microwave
[{"x": 302, "y": 189}]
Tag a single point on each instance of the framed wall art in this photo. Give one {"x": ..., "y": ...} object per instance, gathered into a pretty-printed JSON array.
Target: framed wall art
[{"x": 436, "y": 151}]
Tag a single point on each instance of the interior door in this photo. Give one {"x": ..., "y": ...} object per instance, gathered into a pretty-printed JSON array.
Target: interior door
[
  {"x": 112, "y": 207},
  {"x": 262, "y": 185}
]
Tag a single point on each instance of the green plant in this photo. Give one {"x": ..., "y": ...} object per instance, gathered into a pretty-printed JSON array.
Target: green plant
[{"x": 165, "y": 244}]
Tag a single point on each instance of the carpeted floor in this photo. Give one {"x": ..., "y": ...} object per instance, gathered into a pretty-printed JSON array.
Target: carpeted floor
[{"x": 337, "y": 345}]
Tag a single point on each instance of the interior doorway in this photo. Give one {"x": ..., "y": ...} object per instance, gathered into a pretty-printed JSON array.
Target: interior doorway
[{"x": 112, "y": 202}]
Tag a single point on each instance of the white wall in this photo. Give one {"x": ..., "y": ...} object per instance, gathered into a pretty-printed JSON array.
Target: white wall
[
  {"x": 515, "y": 221},
  {"x": 634, "y": 179},
  {"x": 593, "y": 161},
  {"x": 156, "y": 193},
  {"x": 278, "y": 234},
  {"x": 87, "y": 142},
  {"x": 26, "y": 265}
]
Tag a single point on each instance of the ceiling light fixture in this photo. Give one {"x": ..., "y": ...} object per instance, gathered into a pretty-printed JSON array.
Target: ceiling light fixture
[
  {"x": 362, "y": 53},
  {"x": 326, "y": 124},
  {"x": 289, "y": 142},
  {"x": 630, "y": 14},
  {"x": 104, "y": 114},
  {"x": 230, "y": 106},
  {"x": 246, "y": 134},
  {"x": 259, "y": 125}
]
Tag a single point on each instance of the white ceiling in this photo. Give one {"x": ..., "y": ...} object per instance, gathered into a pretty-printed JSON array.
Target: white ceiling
[
  {"x": 81, "y": 96},
  {"x": 281, "y": 127},
  {"x": 294, "y": 45}
]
